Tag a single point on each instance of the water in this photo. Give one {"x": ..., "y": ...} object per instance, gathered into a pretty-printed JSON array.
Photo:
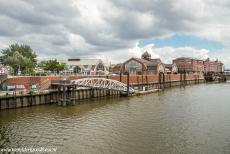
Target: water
[{"x": 195, "y": 119}]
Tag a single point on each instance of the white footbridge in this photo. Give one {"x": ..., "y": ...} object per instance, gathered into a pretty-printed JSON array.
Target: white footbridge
[{"x": 102, "y": 83}]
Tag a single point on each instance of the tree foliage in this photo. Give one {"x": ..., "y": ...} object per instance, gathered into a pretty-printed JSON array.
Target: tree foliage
[
  {"x": 19, "y": 56},
  {"x": 53, "y": 66}
]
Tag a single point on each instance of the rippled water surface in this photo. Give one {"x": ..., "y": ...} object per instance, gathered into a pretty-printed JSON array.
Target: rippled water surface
[{"x": 194, "y": 119}]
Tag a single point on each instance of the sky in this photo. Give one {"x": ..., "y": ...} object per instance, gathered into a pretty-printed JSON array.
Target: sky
[{"x": 115, "y": 30}]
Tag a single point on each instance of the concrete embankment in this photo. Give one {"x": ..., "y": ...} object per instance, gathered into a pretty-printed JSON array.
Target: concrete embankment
[{"x": 74, "y": 97}]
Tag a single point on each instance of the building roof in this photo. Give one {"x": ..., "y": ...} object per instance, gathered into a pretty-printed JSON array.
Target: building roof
[
  {"x": 81, "y": 62},
  {"x": 144, "y": 61},
  {"x": 151, "y": 62},
  {"x": 156, "y": 61},
  {"x": 146, "y": 55},
  {"x": 185, "y": 58}
]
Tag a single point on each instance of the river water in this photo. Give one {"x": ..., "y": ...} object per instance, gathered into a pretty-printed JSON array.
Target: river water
[{"x": 194, "y": 119}]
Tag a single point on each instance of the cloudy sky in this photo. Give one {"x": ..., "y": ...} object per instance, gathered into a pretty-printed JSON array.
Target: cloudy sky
[{"x": 115, "y": 30}]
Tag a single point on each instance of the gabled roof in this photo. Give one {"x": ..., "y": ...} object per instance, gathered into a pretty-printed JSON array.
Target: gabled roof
[
  {"x": 156, "y": 61},
  {"x": 151, "y": 62}
]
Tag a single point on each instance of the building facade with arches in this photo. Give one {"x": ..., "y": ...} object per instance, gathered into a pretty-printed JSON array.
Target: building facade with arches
[{"x": 143, "y": 66}]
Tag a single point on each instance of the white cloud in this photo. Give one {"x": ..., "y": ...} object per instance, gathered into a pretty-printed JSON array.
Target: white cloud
[
  {"x": 112, "y": 28},
  {"x": 167, "y": 54}
]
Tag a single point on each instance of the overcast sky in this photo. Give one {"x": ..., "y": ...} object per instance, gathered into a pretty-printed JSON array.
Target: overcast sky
[{"x": 115, "y": 30}]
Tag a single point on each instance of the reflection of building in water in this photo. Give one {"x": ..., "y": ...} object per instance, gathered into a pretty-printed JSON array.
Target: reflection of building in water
[
  {"x": 85, "y": 66},
  {"x": 140, "y": 66}
]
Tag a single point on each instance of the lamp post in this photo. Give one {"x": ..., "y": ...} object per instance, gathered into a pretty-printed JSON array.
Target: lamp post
[{"x": 19, "y": 70}]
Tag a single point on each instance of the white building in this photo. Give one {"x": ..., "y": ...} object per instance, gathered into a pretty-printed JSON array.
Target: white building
[{"x": 85, "y": 66}]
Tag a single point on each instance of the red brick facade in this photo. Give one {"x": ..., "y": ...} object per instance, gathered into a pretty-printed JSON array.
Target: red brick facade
[
  {"x": 141, "y": 70},
  {"x": 189, "y": 65},
  {"x": 212, "y": 66},
  {"x": 196, "y": 65}
]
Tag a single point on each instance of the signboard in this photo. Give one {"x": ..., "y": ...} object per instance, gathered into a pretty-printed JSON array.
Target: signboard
[
  {"x": 20, "y": 86},
  {"x": 33, "y": 86},
  {"x": 11, "y": 87}
]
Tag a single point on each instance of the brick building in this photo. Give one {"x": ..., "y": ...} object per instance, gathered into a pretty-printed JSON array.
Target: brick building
[
  {"x": 213, "y": 66},
  {"x": 143, "y": 65},
  {"x": 85, "y": 66},
  {"x": 196, "y": 65},
  {"x": 189, "y": 65}
]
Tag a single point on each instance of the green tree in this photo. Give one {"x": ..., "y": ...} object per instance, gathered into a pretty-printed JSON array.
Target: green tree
[
  {"x": 54, "y": 66},
  {"x": 19, "y": 56}
]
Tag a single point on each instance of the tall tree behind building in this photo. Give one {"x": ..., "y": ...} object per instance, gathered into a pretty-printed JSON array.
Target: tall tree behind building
[
  {"x": 54, "y": 66},
  {"x": 19, "y": 57}
]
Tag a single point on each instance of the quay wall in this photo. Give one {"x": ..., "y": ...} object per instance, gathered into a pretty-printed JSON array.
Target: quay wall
[
  {"x": 19, "y": 101},
  {"x": 53, "y": 96}
]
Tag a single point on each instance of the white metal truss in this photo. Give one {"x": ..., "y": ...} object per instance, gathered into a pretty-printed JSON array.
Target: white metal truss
[{"x": 102, "y": 83}]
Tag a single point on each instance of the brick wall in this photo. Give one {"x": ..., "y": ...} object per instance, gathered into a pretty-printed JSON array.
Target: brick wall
[
  {"x": 29, "y": 80},
  {"x": 133, "y": 79}
]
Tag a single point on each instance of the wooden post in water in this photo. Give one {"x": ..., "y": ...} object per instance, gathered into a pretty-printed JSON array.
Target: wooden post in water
[
  {"x": 185, "y": 82},
  {"x": 138, "y": 82},
  {"x": 146, "y": 79},
  {"x": 142, "y": 80},
  {"x": 170, "y": 80},
  {"x": 64, "y": 96},
  {"x": 58, "y": 98},
  {"x": 74, "y": 90},
  {"x": 128, "y": 84}
]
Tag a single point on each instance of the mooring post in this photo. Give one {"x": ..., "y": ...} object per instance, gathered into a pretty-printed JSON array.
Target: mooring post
[
  {"x": 185, "y": 82},
  {"x": 74, "y": 92},
  {"x": 170, "y": 80},
  {"x": 142, "y": 80},
  {"x": 138, "y": 82},
  {"x": 128, "y": 84},
  {"x": 146, "y": 80},
  {"x": 64, "y": 96}
]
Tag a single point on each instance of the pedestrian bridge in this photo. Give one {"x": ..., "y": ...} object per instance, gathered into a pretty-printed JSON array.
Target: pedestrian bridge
[{"x": 102, "y": 83}]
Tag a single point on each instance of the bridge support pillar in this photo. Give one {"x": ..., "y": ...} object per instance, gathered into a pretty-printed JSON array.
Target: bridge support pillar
[{"x": 66, "y": 94}]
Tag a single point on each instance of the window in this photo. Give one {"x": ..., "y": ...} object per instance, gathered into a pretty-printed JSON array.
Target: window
[{"x": 133, "y": 65}]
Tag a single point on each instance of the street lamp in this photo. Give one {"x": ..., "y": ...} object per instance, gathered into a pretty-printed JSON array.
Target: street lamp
[{"x": 19, "y": 70}]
